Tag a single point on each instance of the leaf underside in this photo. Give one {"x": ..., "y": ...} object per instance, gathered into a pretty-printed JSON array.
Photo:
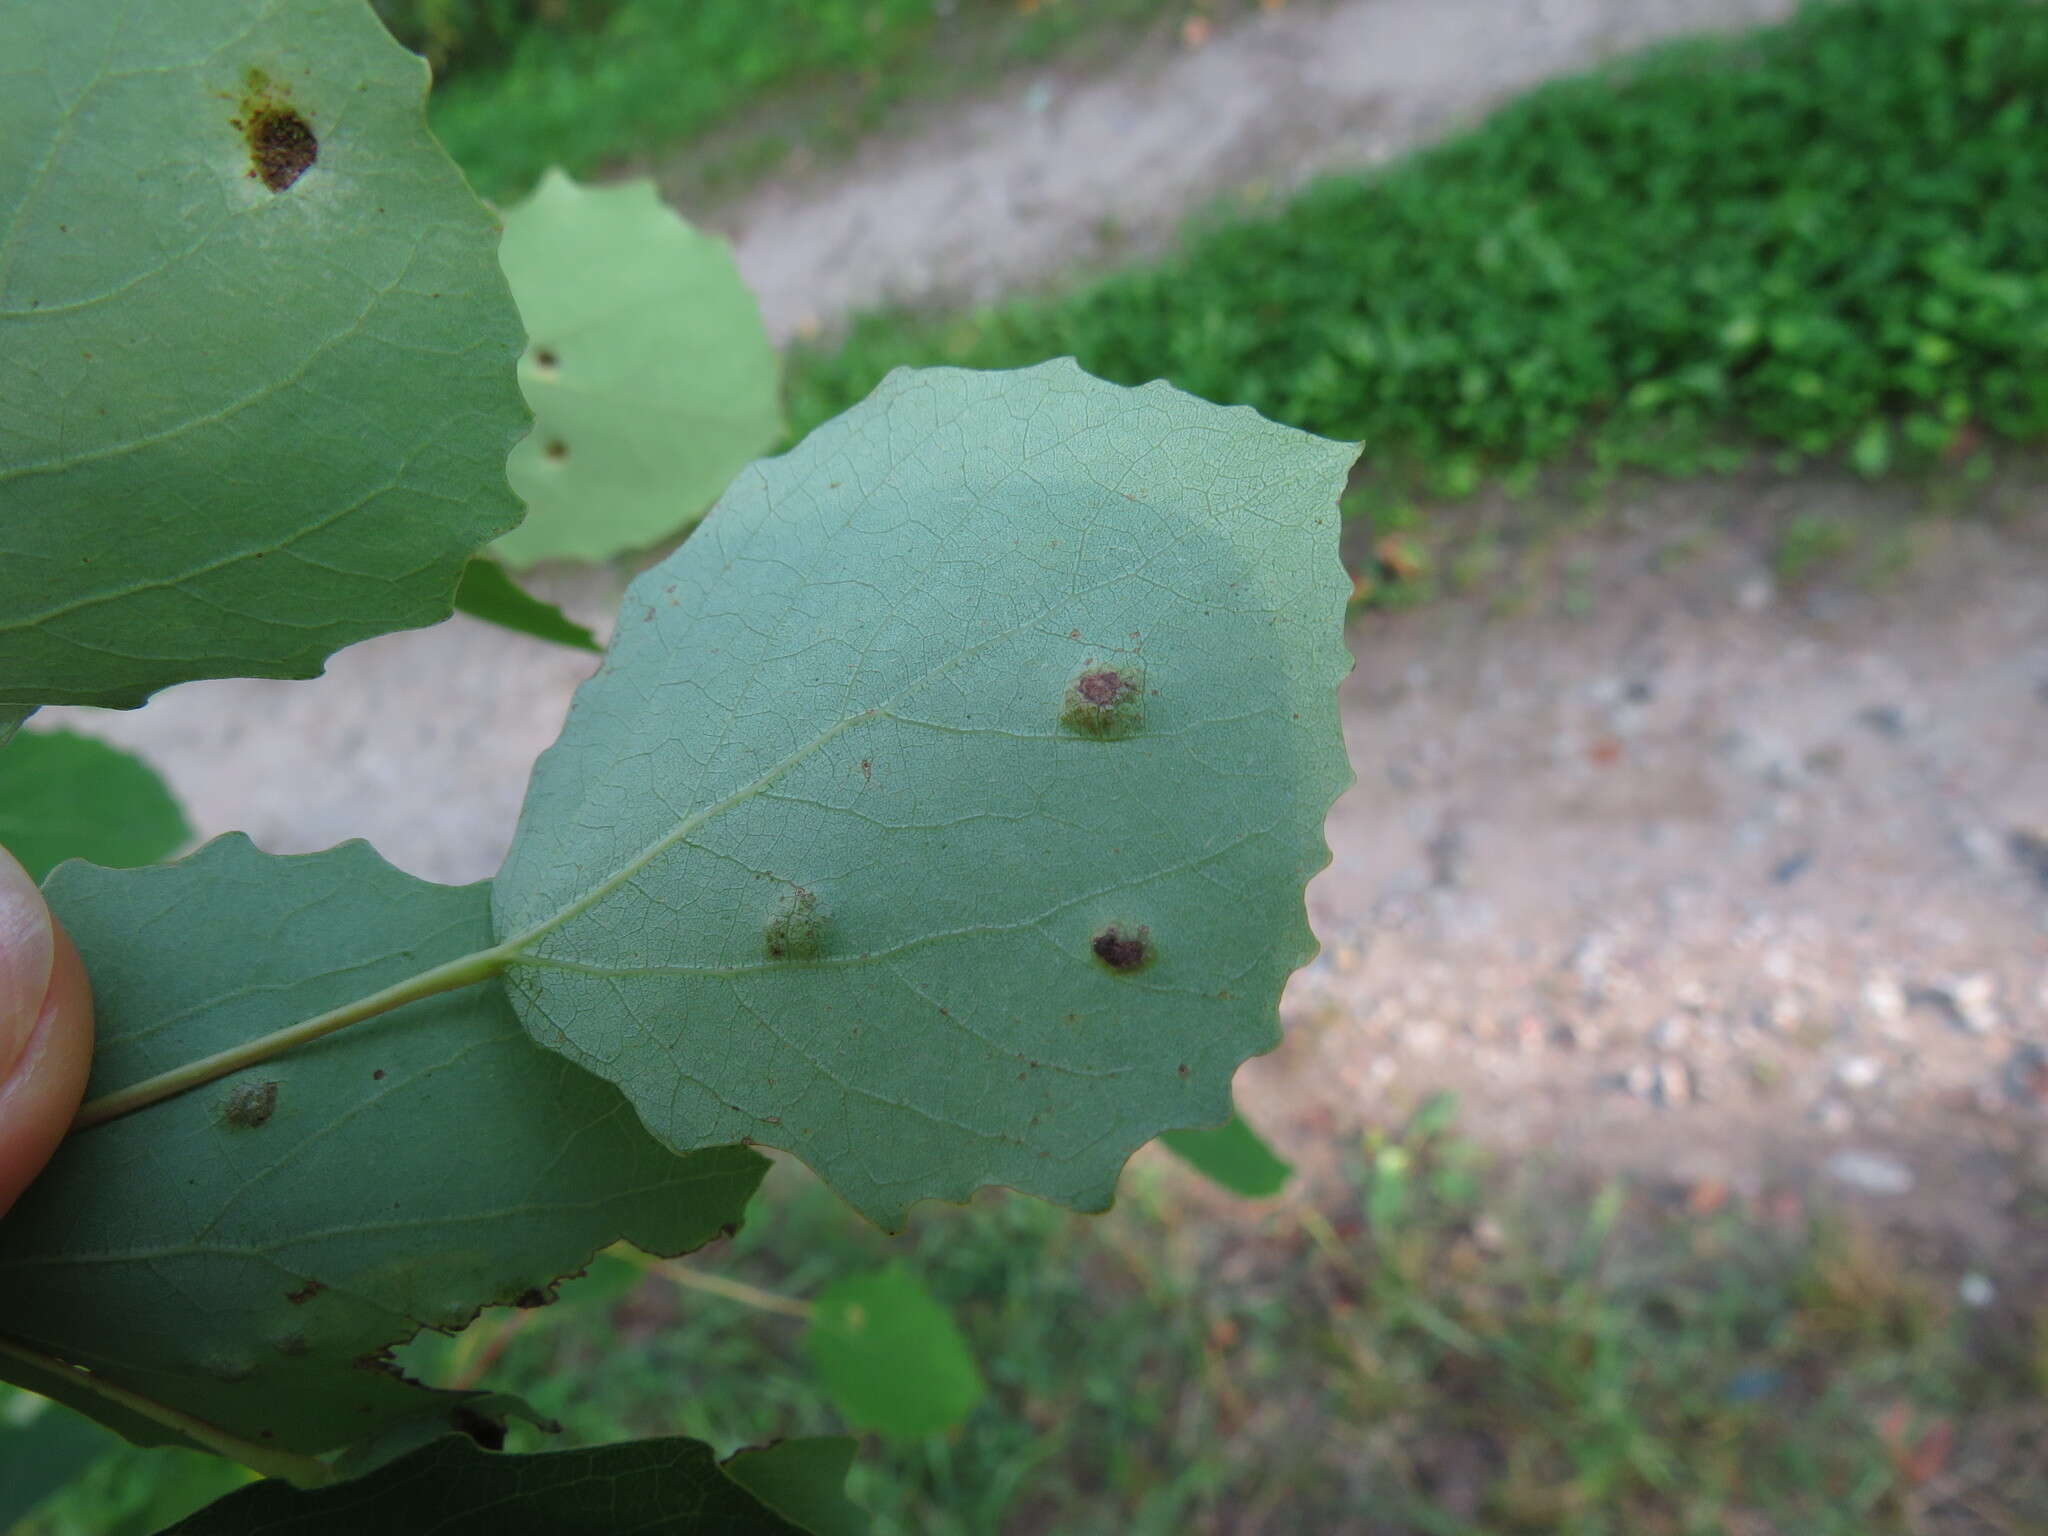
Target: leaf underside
[
  {"x": 829, "y": 856},
  {"x": 245, "y": 1252},
  {"x": 669, "y": 1487},
  {"x": 245, "y": 420},
  {"x": 651, "y": 379}
]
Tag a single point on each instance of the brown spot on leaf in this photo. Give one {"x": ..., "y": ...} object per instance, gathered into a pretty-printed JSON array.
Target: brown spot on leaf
[
  {"x": 1123, "y": 949},
  {"x": 556, "y": 449},
  {"x": 304, "y": 1293},
  {"x": 282, "y": 146},
  {"x": 1105, "y": 702},
  {"x": 1104, "y": 687}
]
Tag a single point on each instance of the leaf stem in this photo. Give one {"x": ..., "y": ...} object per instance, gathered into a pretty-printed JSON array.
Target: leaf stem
[
  {"x": 304, "y": 1471},
  {"x": 735, "y": 1290},
  {"x": 463, "y": 972}
]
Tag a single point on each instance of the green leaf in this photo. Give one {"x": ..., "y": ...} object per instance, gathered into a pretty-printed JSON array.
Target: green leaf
[
  {"x": 669, "y": 1487},
  {"x": 42, "y": 1447},
  {"x": 242, "y": 1252},
  {"x": 66, "y": 796},
  {"x": 487, "y": 593},
  {"x": 244, "y": 427},
  {"x": 651, "y": 379},
  {"x": 890, "y": 1356},
  {"x": 804, "y": 1481},
  {"x": 834, "y": 855},
  {"x": 1233, "y": 1155}
]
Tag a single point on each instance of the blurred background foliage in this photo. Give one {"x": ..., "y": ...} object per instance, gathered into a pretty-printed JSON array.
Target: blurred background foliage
[{"x": 1425, "y": 1340}]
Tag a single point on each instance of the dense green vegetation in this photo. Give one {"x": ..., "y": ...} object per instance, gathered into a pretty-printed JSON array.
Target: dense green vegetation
[
  {"x": 1428, "y": 1341},
  {"x": 594, "y": 83},
  {"x": 1828, "y": 237}
]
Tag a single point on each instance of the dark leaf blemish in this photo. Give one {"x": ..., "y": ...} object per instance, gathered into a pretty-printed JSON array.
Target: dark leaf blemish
[
  {"x": 282, "y": 147},
  {"x": 1105, "y": 702},
  {"x": 1123, "y": 949}
]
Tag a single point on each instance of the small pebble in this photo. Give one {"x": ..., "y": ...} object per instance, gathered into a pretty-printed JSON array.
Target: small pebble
[
  {"x": 1976, "y": 1002},
  {"x": 1669, "y": 1034},
  {"x": 1674, "y": 1084},
  {"x": 1833, "y": 1116},
  {"x": 1885, "y": 998},
  {"x": 1871, "y": 1172},
  {"x": 1860, "y": 1072}
]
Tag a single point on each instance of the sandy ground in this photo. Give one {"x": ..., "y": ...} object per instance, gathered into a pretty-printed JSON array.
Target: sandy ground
[
  {"x": 1739, "y": 889},
  {"x": 1723, "y": 885}
]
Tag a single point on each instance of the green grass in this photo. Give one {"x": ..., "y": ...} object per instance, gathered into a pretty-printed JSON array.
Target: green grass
[
  {"x": 1427, "y": 1350},
  {"x": 1828, "y": 238},
  {"x": 655, "y": 77},
  {"x": 1435, "y": 1345}
]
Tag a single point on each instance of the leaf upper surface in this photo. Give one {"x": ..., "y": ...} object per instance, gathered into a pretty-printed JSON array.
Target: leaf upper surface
[
  {"x": 890, "y": 1356},
  {"x": 239, "y": 427},
  {"x": 830, "y": 857},
  {"x": 651, "y": 379},
  {"x": 244, "y": 1252},
  {"x": 67, "y": 796}
]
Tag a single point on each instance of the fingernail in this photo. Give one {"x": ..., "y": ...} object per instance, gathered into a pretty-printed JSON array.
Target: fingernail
[{"x": 27, "y": 951}]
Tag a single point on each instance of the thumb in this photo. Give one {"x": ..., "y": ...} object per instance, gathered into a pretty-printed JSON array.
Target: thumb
[{"x": 45, "y": 1031}]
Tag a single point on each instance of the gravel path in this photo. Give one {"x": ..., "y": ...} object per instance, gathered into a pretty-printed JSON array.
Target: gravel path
[{"x": 1739, "y": 889}]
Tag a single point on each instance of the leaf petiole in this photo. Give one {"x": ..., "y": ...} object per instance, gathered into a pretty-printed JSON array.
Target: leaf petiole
[
  {"x": 464, "y": 971},
  {"x": 305, "y": 1471}
]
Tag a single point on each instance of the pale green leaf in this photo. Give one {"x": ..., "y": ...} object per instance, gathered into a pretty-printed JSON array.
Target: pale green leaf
[
  {"x": 890, "y": 1356},
  {"x": 487, "y": 593},
  {"x": 239, "y": 427},
  {"x": 67, "y": 796},
  {"x": 669, "y": 1487},
  {"x": 804, "y": 1481},
  {"x": 833, "y": 855},
  {"x": 1233, "y": 1155},
  {"x": 651, "y": 380},
  {"x": 241, "y": 1252},
  {"x": 43, "y": 1446}
]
